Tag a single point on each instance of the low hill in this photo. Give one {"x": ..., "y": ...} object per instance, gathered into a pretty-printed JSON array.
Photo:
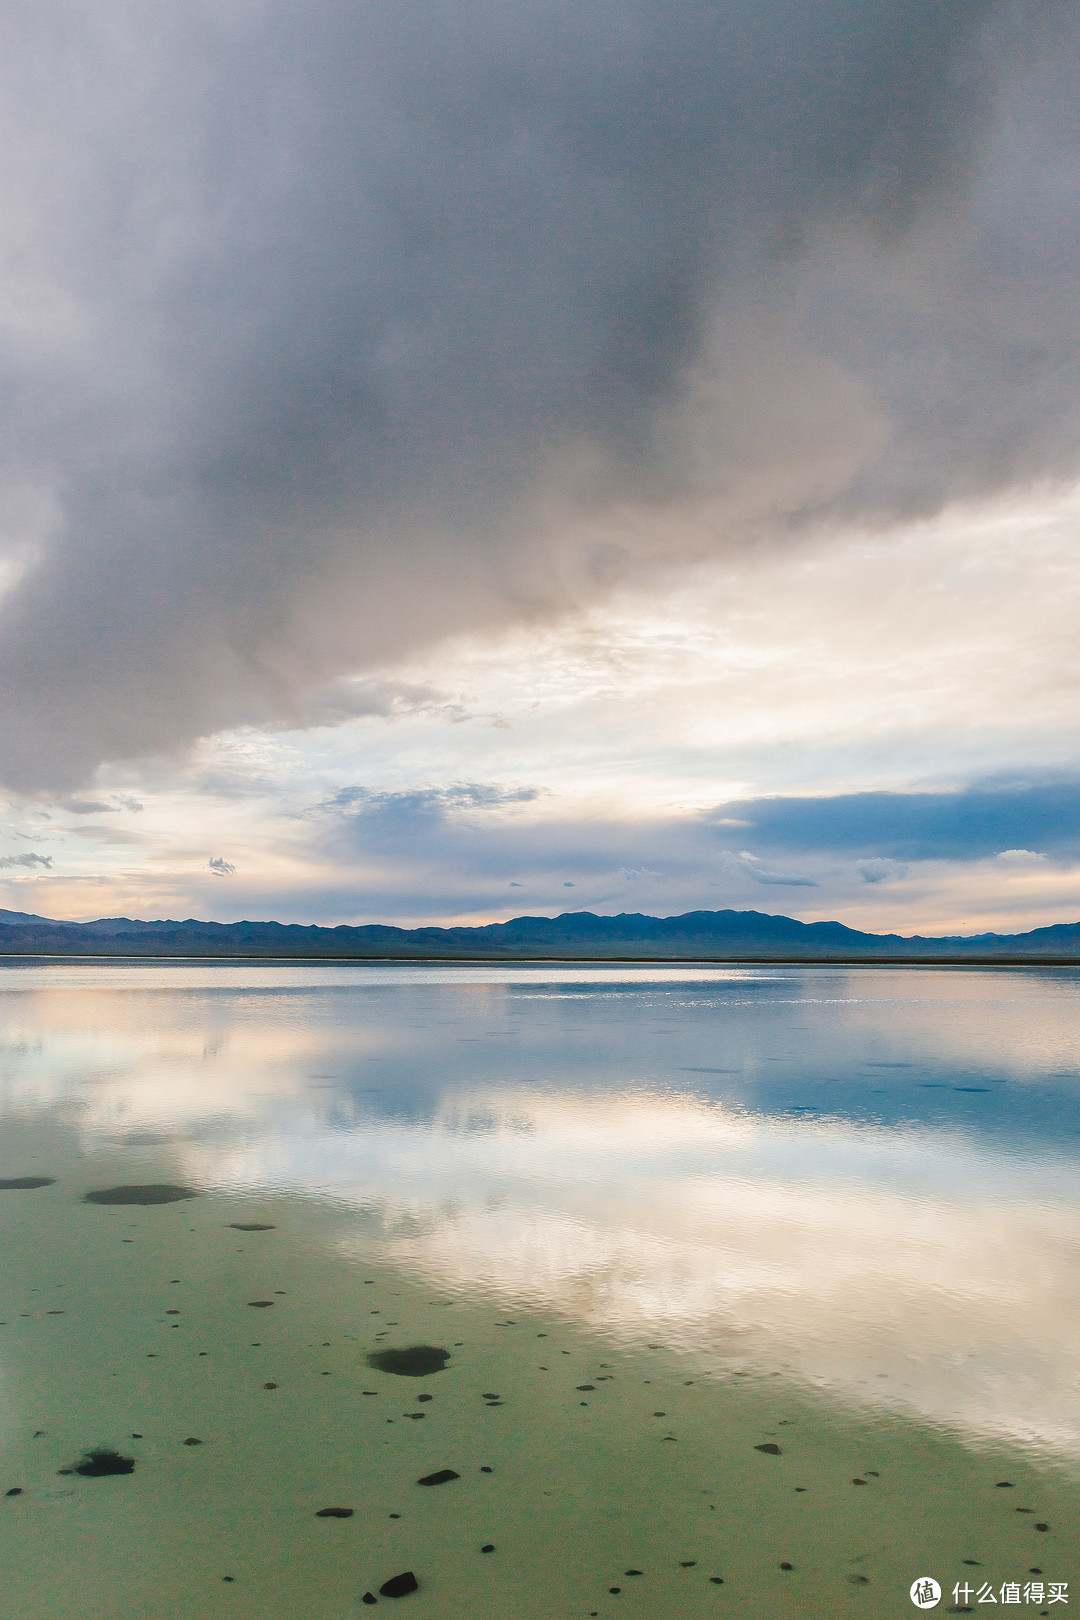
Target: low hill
[{"x": 696, "y": 935}]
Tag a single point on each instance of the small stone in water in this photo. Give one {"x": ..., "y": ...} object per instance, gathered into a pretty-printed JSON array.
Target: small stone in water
[
  {"x": 103, "y": 1463},
  {"x": 399, "y": 1585},
  {"x": 770, "y": 1449},
  {"x": 25, "y": 1183},
  {"x": 334, "y": 1513},
  {"x": 417, "y": 1361},
  {"x": 155, "y": 1193},
  {"x": 441, "y": 1477}
]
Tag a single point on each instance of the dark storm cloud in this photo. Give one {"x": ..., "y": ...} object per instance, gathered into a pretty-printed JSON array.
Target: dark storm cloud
[
  {"x": 322, "y": 324},
  {"x": 884, "y": 828}
]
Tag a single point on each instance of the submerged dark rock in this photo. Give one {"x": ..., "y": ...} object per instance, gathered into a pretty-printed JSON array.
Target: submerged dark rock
[
  {"x": 414, "y": 1361},
  {"x": 442, "y": 1476},
  {"x": 252, "y": 1226},
  {"x": 334, "y": 1513},
  {"x": 770, "y": 1449},
  {"x": 399, "y": 1585},
  {"x": 25, "y": 1183},
  {"x": 103, "y": 1463},
  {"x": 369, "y": 1597},
  {"x": 155, "y": 1192}
]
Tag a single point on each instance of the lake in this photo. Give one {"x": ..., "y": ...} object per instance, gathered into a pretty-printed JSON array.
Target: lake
[{"x": 756, "y": 1290}]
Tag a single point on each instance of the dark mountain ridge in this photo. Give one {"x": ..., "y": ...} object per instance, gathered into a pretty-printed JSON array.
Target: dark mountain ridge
[{"x": 696, "y": 935}]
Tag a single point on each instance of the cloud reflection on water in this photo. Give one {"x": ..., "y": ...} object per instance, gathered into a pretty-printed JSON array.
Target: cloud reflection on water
[
  {"x": 749, "y": 1243},
  {"x": 574, "y": 1151}
]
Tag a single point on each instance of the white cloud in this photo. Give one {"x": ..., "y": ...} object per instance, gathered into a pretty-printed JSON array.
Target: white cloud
[
  {"x": 880, "y": 870},
  {"x": 747, "y": 865}
]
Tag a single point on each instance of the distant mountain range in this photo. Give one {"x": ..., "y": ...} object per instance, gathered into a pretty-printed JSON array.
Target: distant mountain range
[{"x": 696, "y": 935}]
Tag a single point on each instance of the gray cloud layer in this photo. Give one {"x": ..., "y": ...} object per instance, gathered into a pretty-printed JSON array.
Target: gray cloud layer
[{"x": 322, "y": 324}]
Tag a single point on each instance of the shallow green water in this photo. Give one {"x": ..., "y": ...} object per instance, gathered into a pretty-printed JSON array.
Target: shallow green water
[{"x": 833, "y": 1212}]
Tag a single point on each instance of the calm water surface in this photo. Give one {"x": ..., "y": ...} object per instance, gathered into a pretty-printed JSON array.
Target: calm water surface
[{"x": 659, "y": 1218}]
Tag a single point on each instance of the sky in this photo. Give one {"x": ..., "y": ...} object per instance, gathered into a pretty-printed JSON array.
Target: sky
[{"x": 464, "y": 461}]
